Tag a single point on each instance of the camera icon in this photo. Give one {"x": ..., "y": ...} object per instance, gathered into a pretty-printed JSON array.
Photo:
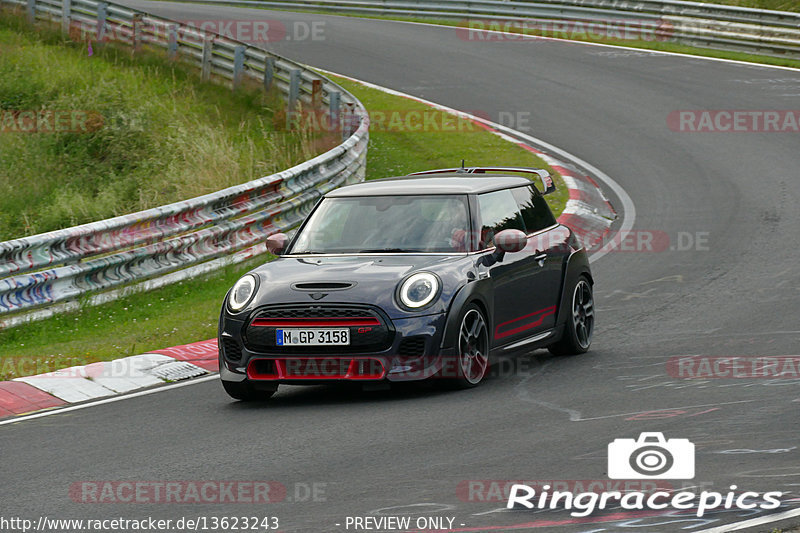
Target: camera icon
[{"x": 651, "y": 457}]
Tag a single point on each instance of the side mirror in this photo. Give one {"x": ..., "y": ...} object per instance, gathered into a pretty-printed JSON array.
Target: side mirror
[
  {"x": 276, "y": 243},
  {"x": 510, "y": 240}
]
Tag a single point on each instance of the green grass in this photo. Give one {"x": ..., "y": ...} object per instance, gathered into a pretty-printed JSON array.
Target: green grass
[
  {"x": 777, "y": 5},
  {"x": 154, "y": 132},
  {"x": 188, "y": 311}
]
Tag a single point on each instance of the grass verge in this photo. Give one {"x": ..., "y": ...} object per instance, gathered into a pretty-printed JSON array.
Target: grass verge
[
  {"x": 106, "y": 134},
  {"x": 188, "y": 311},
  {"x": 777, "y": 5}
]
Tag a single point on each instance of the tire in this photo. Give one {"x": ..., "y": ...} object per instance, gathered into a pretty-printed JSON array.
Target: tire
[
  {"x": 578, "y": 329},
  {"x": 246, "y": 392},
  {"x": 472, "y": 358}
]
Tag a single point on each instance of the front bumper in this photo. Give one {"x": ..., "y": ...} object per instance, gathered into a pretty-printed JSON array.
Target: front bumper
[{"x": 412, "y": 352}]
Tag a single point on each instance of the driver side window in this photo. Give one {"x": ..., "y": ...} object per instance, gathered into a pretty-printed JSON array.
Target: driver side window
[{"x": 497, "y": 211}]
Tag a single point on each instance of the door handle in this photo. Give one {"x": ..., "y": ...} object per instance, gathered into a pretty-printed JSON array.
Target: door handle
[{"x": 540, "y": 258}]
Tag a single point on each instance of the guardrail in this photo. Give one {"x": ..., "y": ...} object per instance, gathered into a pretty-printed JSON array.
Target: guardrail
[
  {"x": 63, "y": 265},
  {"x": 721, "y": 27}
]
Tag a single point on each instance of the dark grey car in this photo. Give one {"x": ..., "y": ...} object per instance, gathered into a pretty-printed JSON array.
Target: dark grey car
[{"x": 409, "y": 278}]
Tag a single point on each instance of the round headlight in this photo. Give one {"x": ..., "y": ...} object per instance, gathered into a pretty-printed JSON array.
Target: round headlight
[
  {"x": 418, "y": 290},
  {"x": 242, "y": 292}
]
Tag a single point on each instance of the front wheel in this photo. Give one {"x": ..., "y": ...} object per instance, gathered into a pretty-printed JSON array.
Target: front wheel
[
  {"x": 472, "y": 358},
  {"x": 246, "y": 392},
  {"x": 577, "y": 336}
]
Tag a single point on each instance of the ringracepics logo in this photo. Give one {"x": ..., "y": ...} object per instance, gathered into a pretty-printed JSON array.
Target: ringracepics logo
[{"x": 651, "y": 456}]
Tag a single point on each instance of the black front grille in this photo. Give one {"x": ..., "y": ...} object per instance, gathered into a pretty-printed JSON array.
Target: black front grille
[
  {"x": 374, "y": 332},
  {"x": 323, "y": 286},
  {"x": 308, "y": 311},
  {"x": 412, "y": 347},
  {"x": 231, "y": 349}
]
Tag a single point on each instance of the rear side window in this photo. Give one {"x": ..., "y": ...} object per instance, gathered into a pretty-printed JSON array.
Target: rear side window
[
  {"x": 536, "y": 213},
  {"x": 497, "y": 211}
]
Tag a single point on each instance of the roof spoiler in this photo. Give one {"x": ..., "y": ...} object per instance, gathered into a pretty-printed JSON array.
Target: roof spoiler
[{"x": 547, "y": 181}]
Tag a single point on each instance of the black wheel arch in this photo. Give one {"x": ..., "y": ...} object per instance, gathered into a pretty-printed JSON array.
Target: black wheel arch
[
  {"x": 475, "y": 292},
  {"x": 576, "y": 265}
]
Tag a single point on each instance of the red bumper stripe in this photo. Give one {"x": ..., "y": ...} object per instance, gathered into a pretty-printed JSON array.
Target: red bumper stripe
[{"x": 321, "y": 368}]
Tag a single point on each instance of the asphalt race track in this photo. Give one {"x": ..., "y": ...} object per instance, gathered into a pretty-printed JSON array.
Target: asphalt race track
[{"x": 413, "y": 450}]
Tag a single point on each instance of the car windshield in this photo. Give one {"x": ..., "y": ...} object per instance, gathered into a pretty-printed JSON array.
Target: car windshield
[{"x": 389, "y": 224}]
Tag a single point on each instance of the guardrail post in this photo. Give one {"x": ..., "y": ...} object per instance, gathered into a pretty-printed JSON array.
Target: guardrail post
[
  {"x": 316, "y": 93},
  {"x": 172, "y": 41},
  {"x": 238, "y": 66},
  {"x": 335, "y": 106},
  {"x": 294, "y": 88},
  {"x": 349, "y": 121},
  {"x": 205, "y": 64},
  {"x": 31, "y": 11},
  {"x": 100, "y": 31},
  {"x": 136, "y": 24},
  {"x": 66, "y": 15},
  {"x": 269, "y": 72}
]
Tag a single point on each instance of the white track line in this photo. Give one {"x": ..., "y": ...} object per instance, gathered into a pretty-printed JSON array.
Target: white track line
[
  {"x": 60, "y": 410},
  {"x": 753, "y": 522},
  {"x": 628, "y": 209}
]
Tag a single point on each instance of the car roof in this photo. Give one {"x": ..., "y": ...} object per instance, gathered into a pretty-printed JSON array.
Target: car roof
[{"x": 453, "y": 183}]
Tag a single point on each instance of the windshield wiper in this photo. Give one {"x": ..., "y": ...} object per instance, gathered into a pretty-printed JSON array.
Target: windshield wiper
[{"x": 308, "y": 252}]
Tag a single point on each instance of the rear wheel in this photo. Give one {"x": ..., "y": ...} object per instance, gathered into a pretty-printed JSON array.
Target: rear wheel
[
  {"x": 246, "y": 392},
  {"x": 577, "y": 336},
  {"x": 472, "y": 355}
]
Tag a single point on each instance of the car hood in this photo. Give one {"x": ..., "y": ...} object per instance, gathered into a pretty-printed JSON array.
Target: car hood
[{"x": 374, "y": 278}]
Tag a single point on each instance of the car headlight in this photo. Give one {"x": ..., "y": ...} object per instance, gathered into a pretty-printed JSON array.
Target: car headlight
[
  {"x": 418, "y": 290},
  {"x": 242, "y": 292}
]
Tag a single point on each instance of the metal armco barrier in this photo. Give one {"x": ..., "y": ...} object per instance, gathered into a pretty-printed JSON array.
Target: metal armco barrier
[
  {"x": 65, "y": 264},
  {"x": 721, "y": 27}
]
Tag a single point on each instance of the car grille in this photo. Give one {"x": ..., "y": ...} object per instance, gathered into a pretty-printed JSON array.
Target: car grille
[
  {"x": 412, "y": 347},
  {"x": 369, "y": 329},
  {"x": 231, "y": 349}
]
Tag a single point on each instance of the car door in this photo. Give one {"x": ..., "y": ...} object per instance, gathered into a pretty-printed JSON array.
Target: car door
[
  {"x": 516, "y": 307},
  {"x": 547, "y": 243}
]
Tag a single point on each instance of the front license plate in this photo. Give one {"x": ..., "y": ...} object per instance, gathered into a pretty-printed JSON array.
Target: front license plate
[{"x": 312, "y": 337}]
